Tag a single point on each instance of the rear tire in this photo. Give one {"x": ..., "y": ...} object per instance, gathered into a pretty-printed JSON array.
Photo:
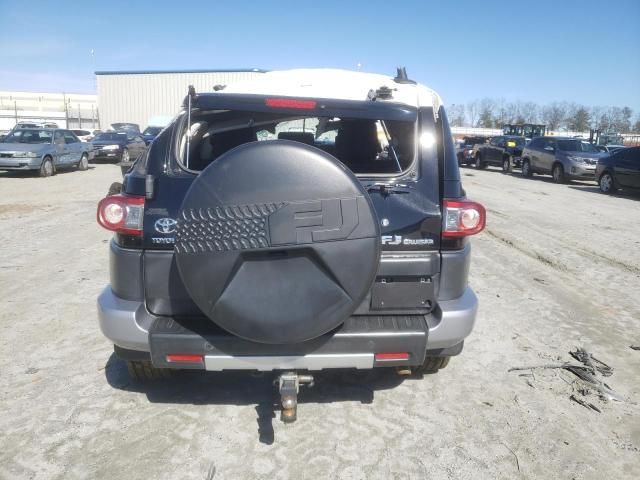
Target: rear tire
[
  {"x": 432, "y": 364},
  {"x": 144, "y": 371},
  {"x": 606, "y": 183},
  {"x": 83, "y": 164},
  {"x": 558, "y": 174},
  {"x": 526, "y": 169},
  {"x": 507, "y": 166},
  {"x": 47, "y": 169}
]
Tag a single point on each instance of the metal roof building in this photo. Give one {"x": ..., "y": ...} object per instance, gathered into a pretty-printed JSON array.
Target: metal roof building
[{"x": 140, "y": 96}]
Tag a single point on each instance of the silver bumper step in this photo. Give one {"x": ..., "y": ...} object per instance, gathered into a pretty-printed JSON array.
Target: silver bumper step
[{"x": 288, "y": 362}]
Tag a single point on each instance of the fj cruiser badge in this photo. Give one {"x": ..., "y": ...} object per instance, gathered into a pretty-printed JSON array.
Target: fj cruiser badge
[
  {"x": 398, "y": 240},
  {"x": 166, "y": 225}
]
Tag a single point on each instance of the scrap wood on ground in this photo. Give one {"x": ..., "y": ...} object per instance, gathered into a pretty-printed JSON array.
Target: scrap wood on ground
[{"x": 588, "y": 371}]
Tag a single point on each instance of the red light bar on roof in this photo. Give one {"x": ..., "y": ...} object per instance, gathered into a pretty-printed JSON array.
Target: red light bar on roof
[{"x": 290, "y": 103}]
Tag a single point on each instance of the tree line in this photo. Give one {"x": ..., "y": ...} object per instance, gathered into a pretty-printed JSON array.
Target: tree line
[{"x": 493, "y": 113}]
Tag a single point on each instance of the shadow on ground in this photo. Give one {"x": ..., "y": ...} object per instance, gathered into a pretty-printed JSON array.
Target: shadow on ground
[
  {"x": 620, "y": 193},
  {"x": 196, "y": 387},
  {"x": 34, "y": 173}
]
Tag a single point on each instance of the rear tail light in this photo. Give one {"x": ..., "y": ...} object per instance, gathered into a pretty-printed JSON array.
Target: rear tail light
[
  {"x": 462, "y": 218},
  {"x": 121, "y": 214},
  {"x": 184, "y": 358},
  {"x": 391, "y": 356},
  {"x": 290, "y": 103}
]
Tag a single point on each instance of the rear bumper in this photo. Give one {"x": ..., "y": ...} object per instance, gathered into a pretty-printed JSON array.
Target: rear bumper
[{"x": 130, "y": 326}]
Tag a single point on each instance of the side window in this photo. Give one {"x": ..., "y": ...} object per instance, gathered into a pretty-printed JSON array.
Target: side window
[
  {"x": 495, "y": 141},
  {"x": 535, "y": 143},
  {"x": 70, "y": 137},
  {"x": 58, "y": 137},
  {"x": 138, "y": 139}
]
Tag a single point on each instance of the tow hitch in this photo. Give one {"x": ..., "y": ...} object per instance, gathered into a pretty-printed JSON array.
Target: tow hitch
[{"x": 289, "y": 386}]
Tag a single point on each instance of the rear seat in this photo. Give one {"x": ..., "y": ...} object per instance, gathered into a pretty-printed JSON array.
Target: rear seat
[{"x": 302, "y": 137}]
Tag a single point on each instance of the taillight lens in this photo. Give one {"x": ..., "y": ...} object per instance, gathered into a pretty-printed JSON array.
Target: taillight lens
[
  {"x": 462, "y": 218},
  {"x": 121, "y": 214}
]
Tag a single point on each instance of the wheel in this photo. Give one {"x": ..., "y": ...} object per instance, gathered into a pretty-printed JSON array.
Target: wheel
[
  {"x": 526, "y": 169},
  {"x": 144, "y": 371},
  {"x": 47, "y": 169},
  {"x": 83, "y": 164},
  {"x": 558, "y": 173},
  {"x": 506, "y": 165},
  {"x": 125, "y": 155},
  {"x": 606, "y": 183},
  {"x": 432, "y": 364}
]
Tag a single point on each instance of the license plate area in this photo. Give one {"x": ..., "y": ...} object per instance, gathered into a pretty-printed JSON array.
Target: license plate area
[{"x": 403, "y": 293}]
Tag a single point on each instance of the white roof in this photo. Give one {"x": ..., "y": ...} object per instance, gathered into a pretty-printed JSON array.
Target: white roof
[{"x": 333, "y": 83}]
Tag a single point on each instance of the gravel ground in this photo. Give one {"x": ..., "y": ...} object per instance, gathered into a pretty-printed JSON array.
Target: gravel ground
[{"x": 558, "y": 267}]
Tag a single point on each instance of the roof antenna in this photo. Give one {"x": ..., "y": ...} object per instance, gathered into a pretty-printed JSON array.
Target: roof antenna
[
  {"x": 190, "y": 96},
  {"x": 401, "y": 76}
]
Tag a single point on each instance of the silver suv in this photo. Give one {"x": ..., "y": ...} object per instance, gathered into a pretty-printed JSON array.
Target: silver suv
[{"x": 564, "y": 158}]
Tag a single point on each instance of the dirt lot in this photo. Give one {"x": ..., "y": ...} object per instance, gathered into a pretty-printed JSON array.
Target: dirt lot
[{"x": 558, "y": 267}]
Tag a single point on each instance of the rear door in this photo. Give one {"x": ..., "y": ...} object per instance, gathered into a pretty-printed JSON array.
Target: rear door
[
  {"x": 534, "y": 150},
  {"x": 73, "y": 147},
  {"x": 547, "y": 155},
  {"x": 493, "y": 148},
  {"x": 407, "y": 202},
  {"x": 627, "y": 168}
]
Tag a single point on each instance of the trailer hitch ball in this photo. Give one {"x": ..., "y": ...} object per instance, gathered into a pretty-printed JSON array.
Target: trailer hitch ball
[{"x": 289, "y": 386}]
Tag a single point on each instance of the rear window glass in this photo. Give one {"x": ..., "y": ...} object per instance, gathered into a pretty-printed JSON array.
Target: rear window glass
[
  {"x": 365, "y": 145},
  {"x": 576, "y": 146},
  {"x": 111, "y": 136}
]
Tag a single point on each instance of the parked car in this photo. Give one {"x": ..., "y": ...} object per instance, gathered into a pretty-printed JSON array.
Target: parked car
[
  {"x": 564, "y": 158},
  {"x": 126, "y": 127},
  {"x": 233, "y": 253},
  {"x": 86, "y": 135},
  {"x": 44, "y": 150},
  {"x": 609, "y": 148},
  {"x": 465, "y": 149},
  {"x": 620, "y": 170},
  {"x": 121, "y": 146},
  {"x": 150, "y": 133},
  {"x": 504, "y": 151}
]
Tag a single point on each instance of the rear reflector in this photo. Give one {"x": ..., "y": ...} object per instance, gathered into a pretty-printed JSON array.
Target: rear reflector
[
  {"x": 184, "y": 358},
  {"x": 462, "y": 217},
  {"x": 121, "y": 214},
  {"x": 290, "y": 103},
  {"x": 392, "y": 356}
]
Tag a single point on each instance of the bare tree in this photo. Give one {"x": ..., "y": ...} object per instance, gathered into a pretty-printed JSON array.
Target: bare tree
[
  {"x": 456, "y": 115},
  {"x": 578, "y": 118},
  {"x": 529, "y": 112},
  {"x": 472, "y": 112},
  {"x": 486, "y": 113},
  {"x": 554, "y": 115}
]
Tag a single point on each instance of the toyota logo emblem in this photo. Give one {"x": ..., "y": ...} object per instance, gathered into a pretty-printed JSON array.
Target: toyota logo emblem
[{"x": 166, "y": 225}]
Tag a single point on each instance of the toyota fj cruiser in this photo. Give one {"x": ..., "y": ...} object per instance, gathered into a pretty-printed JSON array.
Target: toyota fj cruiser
[{"x": 303, "y": 220}]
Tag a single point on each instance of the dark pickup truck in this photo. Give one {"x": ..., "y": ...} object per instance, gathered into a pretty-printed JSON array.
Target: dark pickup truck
[{"x": 504, "y": 151}]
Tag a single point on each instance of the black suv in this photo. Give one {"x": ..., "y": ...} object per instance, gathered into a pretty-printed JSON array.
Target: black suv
[{"x": 304, "y": 220}]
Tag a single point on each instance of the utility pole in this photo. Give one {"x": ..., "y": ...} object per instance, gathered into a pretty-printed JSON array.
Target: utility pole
[
  {"x": 15, "y": 110},
  {"x": 66, "y": 111}
]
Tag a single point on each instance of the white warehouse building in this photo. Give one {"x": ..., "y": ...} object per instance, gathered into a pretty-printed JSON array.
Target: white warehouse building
[{"x": 153, "y": 97}]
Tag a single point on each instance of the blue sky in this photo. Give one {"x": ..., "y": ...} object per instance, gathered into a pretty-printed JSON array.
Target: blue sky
[{"x": 577, "y": 51}]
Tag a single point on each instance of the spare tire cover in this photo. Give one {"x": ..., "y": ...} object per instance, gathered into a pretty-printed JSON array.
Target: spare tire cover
[{"x": 277, "y": 242}]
